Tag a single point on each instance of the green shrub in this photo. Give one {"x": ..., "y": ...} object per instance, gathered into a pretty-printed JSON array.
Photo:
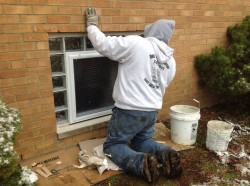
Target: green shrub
[{"x": 226, "y": 71}]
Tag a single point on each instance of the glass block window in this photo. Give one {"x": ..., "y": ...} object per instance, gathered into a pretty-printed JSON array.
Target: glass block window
[
  {"x": 58, "y": 46},
  {"x": 82, "y": 90}
]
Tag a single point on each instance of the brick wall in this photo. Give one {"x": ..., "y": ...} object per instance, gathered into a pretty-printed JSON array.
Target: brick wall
[{"x": 25, "y": 74}]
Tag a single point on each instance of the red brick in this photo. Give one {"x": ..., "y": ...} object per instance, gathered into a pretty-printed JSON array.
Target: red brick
[
  {"x": 43, "y": 115},
  {"x": 59, "y": 2},
  {"x": 31, "y": 111},
  {"x": 120, "y": 4},
  {"x": 70, "y": 10},
  {"x": 18, "y": 64},
  {"x": 120, "y": 19},
  {"x": 44, "y": 63},
  {"x": 45, "y": 78},
  {"x": 10, "y": 38},
  {"x": 22, "y": 46},
  {"x": 23, "y": 150},
  {"x": 33, "y": 2},
  {"x": 141, "y": 12},
  {"x": 35, "y": 37},
  {"x": 37, "y": 54},
  {"x": 9, "y": 99},
  {"x": 109, "y": 28},
  {"x": 30, "y": 126},
  {"x": 81, "y": 3},
  {"x": 103, "y": 3},
  {"x": 128, "y": 27},
  {"x": 6, "y": 83},
  {"x": 21, "y": 105},
  {"x": 42, "y": 101},
  {"x": 78, "y": 19},
  {"x": 14, "y": 90},
  {"x": 138, "y": 4},
  {"x": 25, "y": 80},
  {"x": 12, "y": 56},
  {"x": 51, "y": 135},
  {"x": 45, "y": 10},
  {"x": 46, "y": 28},
  {"x": 27, "y": 119},
  {"x": 105, "y": 20},
  {"x": 5, "y": 66},
  {"x": 17, "y": 9},
  {"x": 58, "y": 19},
  {"x": 47, "y": 93},
  {"x": 136, "y": 19},
  {"x": 32, "y": 140},
  {"x": 37, "y": 71},
  {"x": 26, "y": 135},
  {"x": 12, "y": 73},
  {"x": 6, "y": 19},
  {"x": 40, "y": 86},
  {"x": 44, "y": 130},
  {"x": 71, "y": 28},
  {"x": 42, "y": 45},
  {"x": 29, "y": 96},
  {"x": 17, "y": 29},
  {"x": 140, "y": 27},
  {"x": 46, "y": 144},
  {"x": 8, "y": 2},
  {"x": 33, "y": 19},
  {"x": 130, "y": 12},
  {"x": 49, "y": 121},
  {"x": 111, "y": 12}
]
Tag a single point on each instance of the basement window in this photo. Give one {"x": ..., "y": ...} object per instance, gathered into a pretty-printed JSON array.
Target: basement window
[{"x": 82, "y": 80}]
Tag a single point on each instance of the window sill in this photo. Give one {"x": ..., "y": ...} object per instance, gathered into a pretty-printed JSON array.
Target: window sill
[{"x": 85, "y": 126}]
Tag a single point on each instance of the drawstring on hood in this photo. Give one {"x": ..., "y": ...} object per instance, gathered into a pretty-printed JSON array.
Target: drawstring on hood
[
  {"x": 161, "y": 29},
  {"x": 162, "y": 51}
]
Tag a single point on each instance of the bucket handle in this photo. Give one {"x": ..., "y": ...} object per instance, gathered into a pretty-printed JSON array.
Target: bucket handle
[{"x": 195, "y": 100}]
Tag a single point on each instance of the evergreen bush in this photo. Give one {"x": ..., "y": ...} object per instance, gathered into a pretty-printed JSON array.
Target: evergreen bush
[{"x": 226, "y": 71}]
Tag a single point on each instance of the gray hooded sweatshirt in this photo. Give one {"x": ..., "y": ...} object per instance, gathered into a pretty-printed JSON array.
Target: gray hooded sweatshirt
[{"x": 146, "y": 65}]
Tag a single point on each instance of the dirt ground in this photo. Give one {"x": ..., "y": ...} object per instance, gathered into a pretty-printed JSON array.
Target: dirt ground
[{"x": 204, "y": 167}]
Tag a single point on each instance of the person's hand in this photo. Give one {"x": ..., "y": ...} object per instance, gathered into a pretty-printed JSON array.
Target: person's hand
[{"x": 91, "y": 17}]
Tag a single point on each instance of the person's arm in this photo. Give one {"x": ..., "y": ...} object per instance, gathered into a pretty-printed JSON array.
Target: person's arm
[{"x": 113, "y": 47}]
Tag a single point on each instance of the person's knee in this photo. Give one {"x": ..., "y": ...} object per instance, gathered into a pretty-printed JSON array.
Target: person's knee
[{"x": 105, "y": 148}]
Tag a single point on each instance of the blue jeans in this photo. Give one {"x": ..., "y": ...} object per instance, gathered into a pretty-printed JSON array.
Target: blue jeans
[{"x": 129, "y": 138}]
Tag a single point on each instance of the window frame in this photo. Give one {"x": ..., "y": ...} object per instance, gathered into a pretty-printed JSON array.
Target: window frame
[{"x": 70, "y": 57}]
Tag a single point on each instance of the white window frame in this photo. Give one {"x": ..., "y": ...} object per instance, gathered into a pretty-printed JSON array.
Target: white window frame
[{"x": 69, "y": 62}]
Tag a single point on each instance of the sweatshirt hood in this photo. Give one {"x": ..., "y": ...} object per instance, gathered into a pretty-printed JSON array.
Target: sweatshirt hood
[
  {"x": 162, "y": 29},
  {"x": 163, "y": 52}
]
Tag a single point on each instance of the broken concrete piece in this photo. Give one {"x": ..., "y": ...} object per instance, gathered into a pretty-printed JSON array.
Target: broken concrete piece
[
  {"x": 41, "y": 173},
  {"x": 46, "y": 170},
  {"x": 58, "y": 162}
]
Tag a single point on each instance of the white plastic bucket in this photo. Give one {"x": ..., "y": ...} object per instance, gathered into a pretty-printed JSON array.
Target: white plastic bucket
[
  {"x": 184, "y": 124},
  {"x": 218, "y": 135}
]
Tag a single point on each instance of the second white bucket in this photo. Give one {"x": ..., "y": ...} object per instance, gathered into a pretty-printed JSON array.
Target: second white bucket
[
  {"x": 218, "y": 135},
  {"x": 184, "y": 124}
]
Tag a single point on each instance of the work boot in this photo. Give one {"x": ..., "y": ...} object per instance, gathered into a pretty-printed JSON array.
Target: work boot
[
  {"x": 171, "y": 163},
  {"x": 150, "y": 168}
]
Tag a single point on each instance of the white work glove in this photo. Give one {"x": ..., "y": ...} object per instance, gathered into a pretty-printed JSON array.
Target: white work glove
[{"x": 91, "y": 17}]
